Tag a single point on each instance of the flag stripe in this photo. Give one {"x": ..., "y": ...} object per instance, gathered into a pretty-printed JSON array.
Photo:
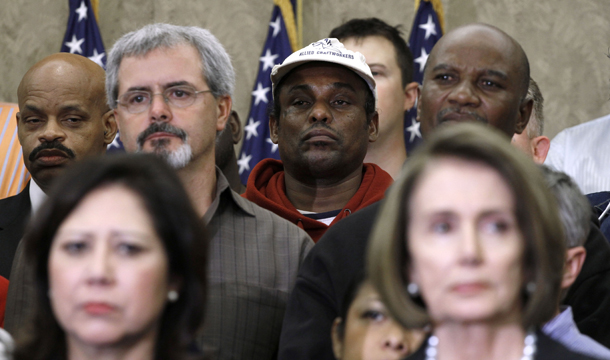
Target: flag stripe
[{"x": 11, "y": 153}]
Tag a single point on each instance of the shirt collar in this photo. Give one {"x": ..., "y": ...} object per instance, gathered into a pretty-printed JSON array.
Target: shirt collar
[
  {"x": 222, "y": 187},
  {"x": 37, "y": 196}
]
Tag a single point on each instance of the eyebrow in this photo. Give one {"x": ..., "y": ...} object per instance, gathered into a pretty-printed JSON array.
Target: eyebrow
[
  {"x": 166, "y": 86},
  {"x": 502, "y": 75},
  {"x": 32, "y": 108},
  {"x": 68, "y": 108}
]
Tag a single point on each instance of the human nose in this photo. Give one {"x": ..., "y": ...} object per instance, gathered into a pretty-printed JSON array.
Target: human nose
[
  {"x": 471, "y": 252},
  {"x": 395, "y": 340},
  {"x": 159, "y": 108},
  {"x": 320, "y": 112},
  {"x": 52, "y": 131},
  {"x": 101, "y": 267},
  {"x": 463, "y": 94}
]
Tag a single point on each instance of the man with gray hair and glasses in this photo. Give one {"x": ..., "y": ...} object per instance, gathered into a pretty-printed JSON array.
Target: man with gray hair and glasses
[
  {"x": 170, "y": 88},
  {"x": 575, "y": 214}
]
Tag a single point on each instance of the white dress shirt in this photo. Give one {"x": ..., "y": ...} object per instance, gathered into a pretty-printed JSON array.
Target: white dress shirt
[{"x": 583, "y": 152}]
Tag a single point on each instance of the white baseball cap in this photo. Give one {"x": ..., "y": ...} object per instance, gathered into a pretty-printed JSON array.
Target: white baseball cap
[{"x": 328, "y": 50}]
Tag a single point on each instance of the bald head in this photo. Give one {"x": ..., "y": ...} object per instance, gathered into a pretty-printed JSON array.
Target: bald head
[
  {"x": 63, "y": 114},
  {"x": 67, "y": 68},
  {"x": 476, "y": 73}
]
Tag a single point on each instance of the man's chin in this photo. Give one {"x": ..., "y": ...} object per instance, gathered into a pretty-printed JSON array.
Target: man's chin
[
  {"x": 178, "y": 158},
  {"x": 47, "y": 174}
]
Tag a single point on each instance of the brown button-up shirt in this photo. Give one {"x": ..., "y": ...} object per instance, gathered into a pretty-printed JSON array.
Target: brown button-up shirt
[{"x": 254, "y": 259}]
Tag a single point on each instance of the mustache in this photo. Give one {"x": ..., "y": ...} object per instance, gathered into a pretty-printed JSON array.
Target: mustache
[
  {"x": 441, "y": 114},
  {"x": 160, "y": 127},
  {"x": 55, "y": 144}
]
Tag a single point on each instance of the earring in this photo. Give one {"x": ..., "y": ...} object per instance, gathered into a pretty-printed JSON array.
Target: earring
[
  {"x": 413, "y": 289},
  {"x": 172, "y": 296},
  {"x": 530, "y": 287}
]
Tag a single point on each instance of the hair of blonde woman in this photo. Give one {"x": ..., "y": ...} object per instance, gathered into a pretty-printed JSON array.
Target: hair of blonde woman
[{"x": 388, "y": 260}]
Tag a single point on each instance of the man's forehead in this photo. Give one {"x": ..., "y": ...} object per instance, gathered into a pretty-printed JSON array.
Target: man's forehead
[
  {"x": 477, "y": 44},
  {"x": 164, "y": 66},
  {"x": 60, "y": 91},
  {"x": 316, "y": 72}
]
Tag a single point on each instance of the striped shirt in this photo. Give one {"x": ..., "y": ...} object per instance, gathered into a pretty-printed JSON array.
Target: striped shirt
[
  {"x": 254, "y": 259},
  {"x": 583, "y": 152},
  {"x": 562, "y": 329}
]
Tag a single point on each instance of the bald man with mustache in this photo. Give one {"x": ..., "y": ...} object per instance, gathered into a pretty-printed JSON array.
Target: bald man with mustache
[{"x": 63, "y": 118}]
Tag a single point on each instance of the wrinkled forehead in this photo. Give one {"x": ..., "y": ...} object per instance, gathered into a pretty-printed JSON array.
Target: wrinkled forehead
[
  {"x": 71, "y": 82},
  {"x": 479, "y": 47}
]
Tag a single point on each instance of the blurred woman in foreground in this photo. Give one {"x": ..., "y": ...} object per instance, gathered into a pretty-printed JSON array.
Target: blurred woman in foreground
[
  {"x": 120, "y": 262},
  {"x": 469, "y": 242}
]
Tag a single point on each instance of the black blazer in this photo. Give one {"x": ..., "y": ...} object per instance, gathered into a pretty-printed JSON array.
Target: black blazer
[{"x": 14, "y": 214}]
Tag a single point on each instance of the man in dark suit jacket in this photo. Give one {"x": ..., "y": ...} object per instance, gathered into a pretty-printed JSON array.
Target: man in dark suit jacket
[{"x": 63, "y": 117}]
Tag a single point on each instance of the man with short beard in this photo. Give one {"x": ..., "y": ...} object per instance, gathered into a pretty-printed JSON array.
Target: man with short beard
[
  {"x": 170, "y": 88},
  {"x": 63, "y": 118}
]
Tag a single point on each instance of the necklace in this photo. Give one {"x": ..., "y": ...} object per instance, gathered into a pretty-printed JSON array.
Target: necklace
[{"x": 529, "y": 347}]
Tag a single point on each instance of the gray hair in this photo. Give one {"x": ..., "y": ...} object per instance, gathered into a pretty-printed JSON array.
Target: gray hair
[
  {"x": 215, "y": 62},
  {"x": 535, "y": 126},
  {"x": 574, "y": 208}
]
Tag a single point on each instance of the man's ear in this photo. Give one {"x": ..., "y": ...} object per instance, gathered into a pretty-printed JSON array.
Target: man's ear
[
  {"x": 110, "y": 126},
  {"x": 373, "y": 127},
  {"x": 336, "y": 338},
  {"x": 273, "y": 129},
  {"x": 540, "y": 148},
  {"x": 418, "y": 104},
  {"x": 236, "y": 130},
  {"x": 525, "y": 110},
  {"x": 411, "y": 95},
  {"x": 575, "y": 257},
  {"x": 224, "y": 104}
]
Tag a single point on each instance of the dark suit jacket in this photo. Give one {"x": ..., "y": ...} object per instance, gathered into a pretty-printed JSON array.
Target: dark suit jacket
[{"x": 14, "y": 214}]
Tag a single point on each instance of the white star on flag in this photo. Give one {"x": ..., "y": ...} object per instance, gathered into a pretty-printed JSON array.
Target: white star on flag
[
  {"x": 74, "y": 45},
  {"x": 251, "y": 129},
  {"x": 422, "y": 59},
  {"x": 276, "y": 25},
  {"x": 268, "y": 60},
  {"x": 273, "y": 146},
  {"x": 115, "y": 142},
  {"x": 97, "y": 58},
  {"x": 414, "y": 129},
  {"x": 429, "y": 27},
  {"x": 260, "y": 94},
  {"x": 82, "y": 11},
  {"x": 244, "y": 162}
]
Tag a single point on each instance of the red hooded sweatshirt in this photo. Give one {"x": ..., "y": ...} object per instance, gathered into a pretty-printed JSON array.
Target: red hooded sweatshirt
[{"x": 267, "y": 189}]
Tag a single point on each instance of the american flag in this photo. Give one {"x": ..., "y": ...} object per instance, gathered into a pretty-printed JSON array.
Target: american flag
[
  {"x": 83, "y": 38},
  {"x": 427, "y": 29},
  {"x": 257, "y": 144},
  {"x": 82, "y": 35}
]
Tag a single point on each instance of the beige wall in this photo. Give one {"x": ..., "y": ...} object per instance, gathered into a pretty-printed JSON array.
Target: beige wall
[{"x": 566, "y": 40}]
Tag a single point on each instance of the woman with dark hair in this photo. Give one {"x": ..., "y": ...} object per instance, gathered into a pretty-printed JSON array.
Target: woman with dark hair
[
  {"x": 120, "y": 261},
  {"x": 469, "y": 243},
  {"x": 366, "y": 331}
]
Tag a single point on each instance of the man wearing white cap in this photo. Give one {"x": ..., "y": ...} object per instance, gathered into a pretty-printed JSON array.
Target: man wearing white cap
[{"x": 322, "y": 121}]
